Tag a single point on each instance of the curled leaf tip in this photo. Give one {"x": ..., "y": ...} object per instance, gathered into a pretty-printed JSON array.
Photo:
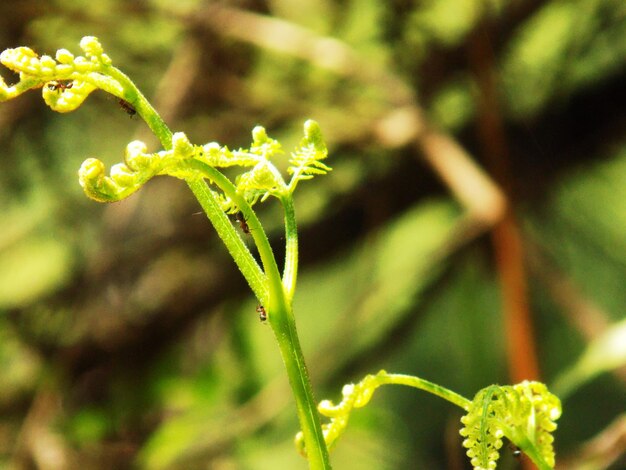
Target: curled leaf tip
[
  {"x": 84, "y": 73},
  {"x": 121, "y": 183},
  {"x": 138, "y": 167},
  {"x": 137, "y": 157},
  {"x": 92, "y": 177}
]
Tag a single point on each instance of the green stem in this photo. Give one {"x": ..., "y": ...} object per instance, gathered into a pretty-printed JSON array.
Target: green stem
[
  {"x": 143, "y": 107},
  {"x": 284, "y": 326},
  {"x": 415, "y": 382},
  {"x": 526, "y": 446},
  {"x": 235, "y": 246},
  {"x": 537, "y": 459},
  {"x": 225, "y": 230},
  {"x": 290, "y": 273},
  {"x": 277, "y": 300},
  {"x": 256, "y": 230},
  {"x": 281, "y": 319}
]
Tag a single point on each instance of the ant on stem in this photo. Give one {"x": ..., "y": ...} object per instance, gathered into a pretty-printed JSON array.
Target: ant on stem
[
  {"x": 243, "y": 224},
  {"x": 262, "y": 313},
  {"x": 60, "y": 86},
  {"x": 126, "y": 106}
]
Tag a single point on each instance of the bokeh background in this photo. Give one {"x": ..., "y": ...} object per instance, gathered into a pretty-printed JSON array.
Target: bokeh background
[{"x": 473, "y": 231}]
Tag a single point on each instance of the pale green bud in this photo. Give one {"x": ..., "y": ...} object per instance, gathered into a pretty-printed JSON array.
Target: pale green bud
[
  {"x": 122, "y": 175},
  {"x": 136, "y": 155},
  {"x": 181, "y": 146},
  {"x": 259, "y": 134},
  {"x": 63, "y": 56},
  {"x": 82, "y": 65},
  {"x": 95, "y": 183},
  {"x": 21, "y": 59},
  {"x": 91, "y": 46}
]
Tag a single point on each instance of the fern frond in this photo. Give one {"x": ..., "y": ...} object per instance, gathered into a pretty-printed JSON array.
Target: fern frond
[
  {"x": 524, "y": 413},
  {"x": 482, "y": 430},
  {"x": 306, "y": 160},
  {"x": 353, "y": 396},
  {"x": 260, "y": 182}
]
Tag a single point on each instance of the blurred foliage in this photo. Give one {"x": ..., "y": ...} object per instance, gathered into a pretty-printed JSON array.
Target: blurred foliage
[{"x": 129, "y": 339}]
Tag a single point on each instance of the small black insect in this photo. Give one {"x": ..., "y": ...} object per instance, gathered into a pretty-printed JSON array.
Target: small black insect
[
  {"x": 517, "y": 453},
  {"x": 262, "y": 313},
  {"x": 242, "y": 222},
  {"x": 60, "y": 86},
  {"x": 126, "y": 106}
]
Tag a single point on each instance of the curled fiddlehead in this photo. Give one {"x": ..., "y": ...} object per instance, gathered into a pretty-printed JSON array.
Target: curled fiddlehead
[
  {"x": 66, "y": 80},
  {"x": 525, "y": 414}
]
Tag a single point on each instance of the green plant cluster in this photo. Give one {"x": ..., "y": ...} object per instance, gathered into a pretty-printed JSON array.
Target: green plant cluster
[
  {"x": 71, "y": 78},
  {"x": 524, "y": 413}
]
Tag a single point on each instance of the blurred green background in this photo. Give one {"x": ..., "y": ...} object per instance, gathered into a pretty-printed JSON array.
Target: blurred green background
[{"x": 130, "y": 340}]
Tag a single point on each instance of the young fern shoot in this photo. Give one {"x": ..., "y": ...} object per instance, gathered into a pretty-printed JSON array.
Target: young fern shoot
[
  {"x": 66, "y": 82},
  {"x": 525, "y": 414}
]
